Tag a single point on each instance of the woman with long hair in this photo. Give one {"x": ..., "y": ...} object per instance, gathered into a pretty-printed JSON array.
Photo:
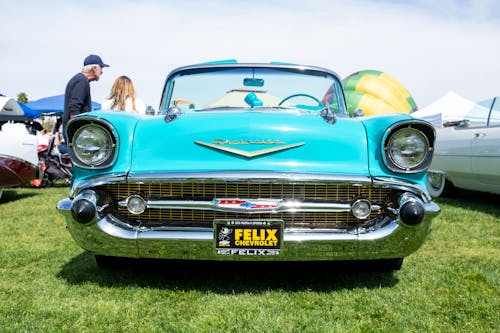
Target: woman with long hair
[{"x": 122, "y": 97}]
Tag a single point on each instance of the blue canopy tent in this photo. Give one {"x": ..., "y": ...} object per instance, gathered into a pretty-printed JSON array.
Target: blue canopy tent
[
  {"x": 28, "y": 112},
  {"x": 53, "y": 105}
]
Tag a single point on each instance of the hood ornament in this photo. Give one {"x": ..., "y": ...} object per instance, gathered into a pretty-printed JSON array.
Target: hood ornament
[{"x": 223, "y": 146}]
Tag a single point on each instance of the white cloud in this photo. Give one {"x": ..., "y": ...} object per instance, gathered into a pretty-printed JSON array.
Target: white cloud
[{"x": 431, "y": 48}]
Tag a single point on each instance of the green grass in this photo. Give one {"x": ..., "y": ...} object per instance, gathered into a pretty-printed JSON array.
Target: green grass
[{"x": 47, "y": 283}]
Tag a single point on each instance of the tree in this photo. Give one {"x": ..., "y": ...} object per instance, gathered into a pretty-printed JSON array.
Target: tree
[{"x": 22, "y": 98}]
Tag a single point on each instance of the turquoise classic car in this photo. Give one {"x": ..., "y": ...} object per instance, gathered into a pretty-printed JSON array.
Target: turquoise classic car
[{"x": 256, "y": 162}]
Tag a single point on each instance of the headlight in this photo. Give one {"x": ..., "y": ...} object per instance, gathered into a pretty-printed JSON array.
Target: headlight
[
  {"x": 92, "y": 146},
  {"x": 408, "y": 149}
]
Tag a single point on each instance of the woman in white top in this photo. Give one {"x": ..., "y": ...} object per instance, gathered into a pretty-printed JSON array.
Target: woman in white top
[{"x": 122, "y": 97}]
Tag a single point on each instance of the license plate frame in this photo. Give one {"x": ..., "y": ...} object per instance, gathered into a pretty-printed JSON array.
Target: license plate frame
[{"x": 243, "y": 237}]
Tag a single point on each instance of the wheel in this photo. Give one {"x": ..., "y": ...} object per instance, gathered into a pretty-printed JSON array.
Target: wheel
[
  {"x": 47, "y": 180},
  {"x": 449, "y": 190},
  {"x": 436, "y": 183}
]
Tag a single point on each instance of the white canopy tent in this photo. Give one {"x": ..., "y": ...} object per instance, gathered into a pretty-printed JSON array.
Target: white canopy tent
[
  {"x": 11, "y": 110},
  {"x": 10, "y": 107},
  {"x": 451, "y": 107}
]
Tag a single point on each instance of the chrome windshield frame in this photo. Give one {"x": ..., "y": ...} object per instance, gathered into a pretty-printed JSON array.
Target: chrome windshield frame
[{"x": 209, "y": 67}]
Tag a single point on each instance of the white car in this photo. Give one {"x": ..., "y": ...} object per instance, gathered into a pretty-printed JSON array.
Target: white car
[
  {"x": 19, "y": 162},
  {"x": 467, "y": 152}
]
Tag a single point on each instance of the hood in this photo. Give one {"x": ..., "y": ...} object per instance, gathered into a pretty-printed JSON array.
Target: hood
[{"x": 249, "y": 141}]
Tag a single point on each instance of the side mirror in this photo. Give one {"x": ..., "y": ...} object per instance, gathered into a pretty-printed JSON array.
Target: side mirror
[
  {"x": 358, "y": 113},
  {"x": 328, "y": 115},
  {"x": 150, "y": 111},
  {"x": 172, "y": 114}
]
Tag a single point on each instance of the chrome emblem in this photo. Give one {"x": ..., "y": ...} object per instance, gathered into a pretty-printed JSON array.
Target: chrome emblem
[
  {"x": 221, "y": 144},
  {"x": 247, "y": 204},
  {"x": 248, "y": 142}
]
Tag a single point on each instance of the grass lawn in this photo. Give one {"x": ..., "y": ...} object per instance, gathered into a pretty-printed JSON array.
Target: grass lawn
[{"x": 47, "y": 283}]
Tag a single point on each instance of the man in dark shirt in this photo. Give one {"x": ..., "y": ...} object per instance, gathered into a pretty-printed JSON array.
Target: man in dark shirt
[{"x": 77, "y": 96}]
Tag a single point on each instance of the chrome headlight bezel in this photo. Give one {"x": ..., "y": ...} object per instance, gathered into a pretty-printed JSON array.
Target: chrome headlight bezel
[
  {"x": 413, "y": 132},
  {"x": 107, "y": 143}
]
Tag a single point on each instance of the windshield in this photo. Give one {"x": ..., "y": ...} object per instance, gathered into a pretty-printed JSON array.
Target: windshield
[{"x": 206, "y": 89}]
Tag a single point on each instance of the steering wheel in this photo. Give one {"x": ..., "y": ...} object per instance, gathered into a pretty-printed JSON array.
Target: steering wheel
[{"x": 300, "y": 95}]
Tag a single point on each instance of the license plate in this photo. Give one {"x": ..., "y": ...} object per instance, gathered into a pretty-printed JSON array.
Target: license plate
[{"x": 248, "y": 237}]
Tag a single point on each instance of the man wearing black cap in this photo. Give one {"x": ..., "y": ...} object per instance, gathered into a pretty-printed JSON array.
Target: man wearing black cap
[{"x": 77, "y": 96}]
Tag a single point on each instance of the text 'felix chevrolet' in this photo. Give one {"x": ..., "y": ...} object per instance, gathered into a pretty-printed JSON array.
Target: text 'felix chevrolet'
[{"x": 250, "y": 162}]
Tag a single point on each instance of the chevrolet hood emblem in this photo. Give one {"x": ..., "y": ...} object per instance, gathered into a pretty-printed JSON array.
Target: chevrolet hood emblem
[{"x": 248, "y": 154}]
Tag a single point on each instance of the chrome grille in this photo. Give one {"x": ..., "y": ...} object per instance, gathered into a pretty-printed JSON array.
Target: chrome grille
[
  {"x": 209, "y": 191},
  {"x": 201, "y": 191}
]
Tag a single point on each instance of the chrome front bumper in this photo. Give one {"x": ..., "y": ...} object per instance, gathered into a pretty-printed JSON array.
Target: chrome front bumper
[{"x": 107, "y": 235}]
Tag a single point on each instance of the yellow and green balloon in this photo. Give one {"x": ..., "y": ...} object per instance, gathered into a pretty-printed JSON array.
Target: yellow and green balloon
[{"x": 376, "y": 92}]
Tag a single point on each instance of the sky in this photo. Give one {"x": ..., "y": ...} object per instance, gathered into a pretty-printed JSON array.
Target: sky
[{"x": 430, "y": 46}]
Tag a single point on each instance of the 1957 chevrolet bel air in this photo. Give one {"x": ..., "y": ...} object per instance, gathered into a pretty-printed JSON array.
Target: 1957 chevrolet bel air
[{"x": 250, "y": 162}]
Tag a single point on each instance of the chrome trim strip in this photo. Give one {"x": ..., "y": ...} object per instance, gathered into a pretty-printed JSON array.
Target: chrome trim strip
[
  {"x": 96, "y": 181},
  {"x": 213, "y": 205},
  {"x": 220, "y": 177},
  {"x": 299, "y": 68},
  {"x": 253, "y": 176},
  {"x": 402, "y": 185}
]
